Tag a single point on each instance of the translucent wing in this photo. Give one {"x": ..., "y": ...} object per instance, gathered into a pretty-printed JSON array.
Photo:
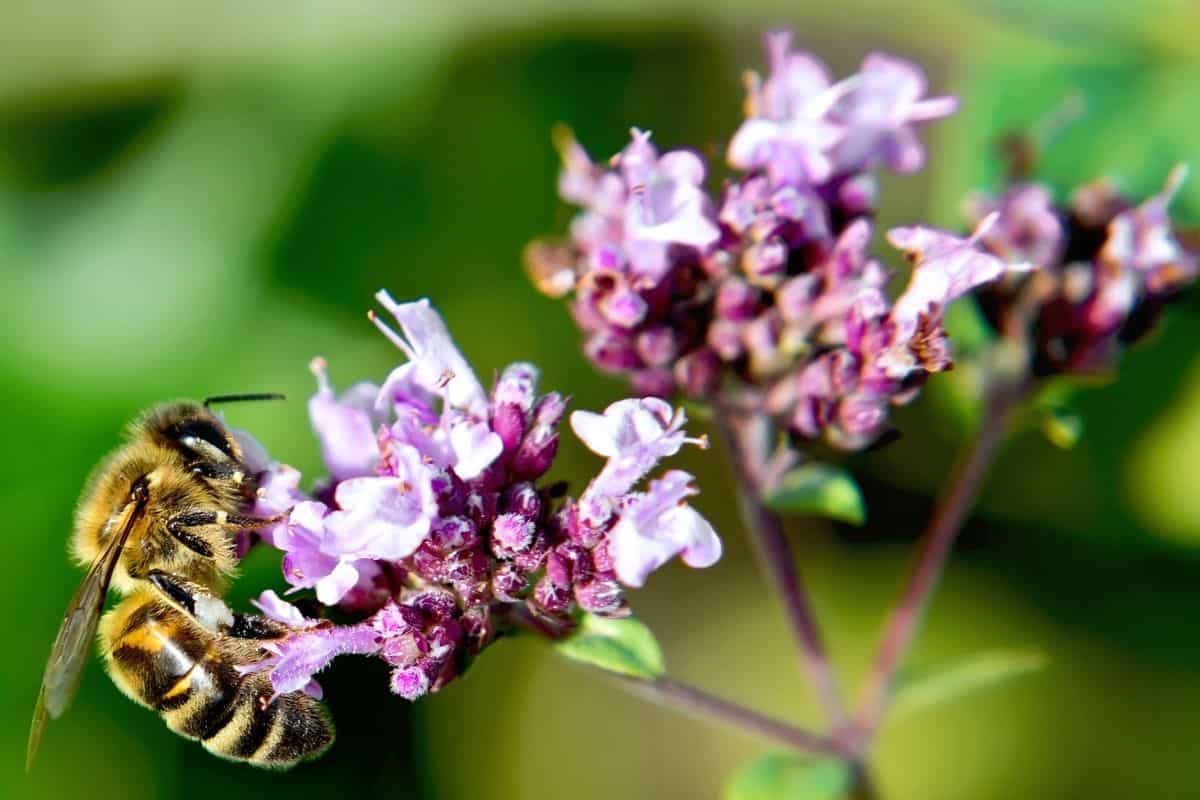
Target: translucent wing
[{"x": 73, "y": 645}]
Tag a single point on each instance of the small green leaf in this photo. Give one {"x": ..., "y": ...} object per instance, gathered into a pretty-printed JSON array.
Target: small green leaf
[
  {"x": 624, "y": 646},
  {"x": 1063, "y": 428},
  {"x": 920, "y": 687},
  {"x": 786, "y": 776},
  {"x": 821, "y": 490}
]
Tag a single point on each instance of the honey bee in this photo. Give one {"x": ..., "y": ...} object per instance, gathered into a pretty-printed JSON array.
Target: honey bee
[{"x": 157, "y": 521}]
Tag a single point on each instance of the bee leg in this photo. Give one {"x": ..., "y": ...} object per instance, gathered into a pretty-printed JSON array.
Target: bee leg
[
  {"x": 207, "y": 609},
  {"x": 211, "y": 611},
  {"x": 181, "y": 592},
  {"x": 179, "y": 524},
  {"x": 227, "y": 474},
  {"x": 186, "y": 527},
  {"x": 220, "y": 470},
  {"x": 256, "y": 626}
]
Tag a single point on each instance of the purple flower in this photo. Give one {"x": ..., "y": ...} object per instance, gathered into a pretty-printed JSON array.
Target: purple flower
[
  {"x": 667, "y": 203},
  {"x": 1142, "y": 239},
  {"x": 310, "y": 557},
  {"x": 945, "y": 268},
  {"x": 1028, "y": 228},
  {"x": 634, "y": 435},
  {"x": 294, "y": 659},
  {"x": 1126, "y": 263},
  {"x": 387, "y": 517},
  {"x": 787, "y": 132},
  {"x": 435, "y": 366},
  {"x": 656, "y": 526},
  {"x": 878, "y": 113},
  {"x": 345, "y": 425},
  {"x": 276, "y": 608},
  {"x": 788, "y": 275},
  {"x": 802, "y": 128},
  {"x": 448, "y": 524},
  {"x": 649, "y": 528}
]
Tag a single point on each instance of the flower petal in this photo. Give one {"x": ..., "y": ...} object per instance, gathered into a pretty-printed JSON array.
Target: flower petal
[{"x": 441, "y": 367}]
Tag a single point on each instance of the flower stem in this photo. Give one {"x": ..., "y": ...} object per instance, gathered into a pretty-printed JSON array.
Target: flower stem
[
  {"x": 954, "y": 505},
  {"x": 670, "y": 693},
  {"x": 748, "y": 438}
]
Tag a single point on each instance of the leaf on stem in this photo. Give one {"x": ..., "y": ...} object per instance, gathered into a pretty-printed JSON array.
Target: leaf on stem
[
  {"x": 1062, "y": 427},
  {"x": 820, "y": 490},
  {"x": 787, "y": 776},
  {"x": 918, "y": 688},
  {"x": 624, "y": 646}
]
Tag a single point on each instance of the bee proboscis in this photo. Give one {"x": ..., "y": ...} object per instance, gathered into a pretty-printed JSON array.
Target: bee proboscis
[{"x": 157, "y": 522}]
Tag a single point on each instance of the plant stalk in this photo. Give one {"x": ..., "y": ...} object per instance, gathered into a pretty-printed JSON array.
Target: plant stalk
[
  {"x": 670, "y": 693},
  {"x": 748, "y": 439},
  {"x": 952, "y": 509}
]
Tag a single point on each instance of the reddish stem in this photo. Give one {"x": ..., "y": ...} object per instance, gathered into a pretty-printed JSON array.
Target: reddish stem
[
  {"x": 689, "y": 700},
  {"x": 953, "y": 507},
  {"x": 748, "y": 438}
]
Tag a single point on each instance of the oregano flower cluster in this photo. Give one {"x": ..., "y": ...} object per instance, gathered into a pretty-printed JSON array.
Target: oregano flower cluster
[
  {"x": 436, "y": 528},
  {"x": 771, "y": 280},
  {"x": 1107, "y": 266}
]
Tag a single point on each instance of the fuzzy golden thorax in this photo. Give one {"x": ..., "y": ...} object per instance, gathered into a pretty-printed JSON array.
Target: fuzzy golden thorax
[{"x": 198, "y": 492}]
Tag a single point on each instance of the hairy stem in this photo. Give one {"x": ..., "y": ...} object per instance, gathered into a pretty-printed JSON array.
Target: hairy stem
[
  {"x": 690, "y": 700},
  {"x": 673, "y": 694},
  {"x": 952, "y": 509},
  {"x": 748, "y": 439}
]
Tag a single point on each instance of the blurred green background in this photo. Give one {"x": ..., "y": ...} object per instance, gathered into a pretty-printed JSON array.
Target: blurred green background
[{"x": 197, "y": 198}]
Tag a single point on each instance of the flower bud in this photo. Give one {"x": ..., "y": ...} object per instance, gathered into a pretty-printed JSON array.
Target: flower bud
[
  {"x": 653, "y": 382},
  {"x": 698, "y": 373},
  {"x": 736, "y": 300},
  {"x": 553, "y": 597},
  {"x": 603, "y": 597},
  {"x": 657, "y": 346},
  {"x": 508, "y": 584},
  {"x": 411, "y": 683},
  {"x": 765, "y": 262},
  {"x": 511, "y": 534},
  {"x": 522, "y": 498},
  {"x": 536, "y": 453},
  {"x": 478, "y": 629},
  {"x": 612, "y": 352}
]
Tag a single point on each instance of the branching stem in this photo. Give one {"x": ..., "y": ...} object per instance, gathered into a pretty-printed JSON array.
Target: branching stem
[
  {"x": 951, "y": 512},
  {"x": 748, "y": 439},
  {"x": 670, "y": 693}
]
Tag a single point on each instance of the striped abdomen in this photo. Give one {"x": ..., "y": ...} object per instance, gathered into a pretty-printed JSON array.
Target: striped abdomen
[{"x": 164, "y": 659}]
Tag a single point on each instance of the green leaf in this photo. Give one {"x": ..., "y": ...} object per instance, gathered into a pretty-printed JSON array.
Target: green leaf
[
  {"x": 624, "y": 646},
  {"x": 1063, "y": 428},
  {"x": 821, "y": 490},
  {"x": 920, "y": 687},
  {"x": 786, "y": 776}
]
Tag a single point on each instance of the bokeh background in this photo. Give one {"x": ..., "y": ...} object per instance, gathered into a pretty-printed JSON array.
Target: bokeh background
[{"x": 196, "y": 198}]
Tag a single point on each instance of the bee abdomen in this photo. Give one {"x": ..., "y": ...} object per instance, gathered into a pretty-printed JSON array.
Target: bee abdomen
[
  {"x": 150, "y": 654},
  {"x": 272, "y": 733},
  {"x": 162, "y": 660}
]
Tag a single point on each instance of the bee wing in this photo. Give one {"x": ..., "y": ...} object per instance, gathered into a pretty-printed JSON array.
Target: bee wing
[{"x": 73, "y": 645}]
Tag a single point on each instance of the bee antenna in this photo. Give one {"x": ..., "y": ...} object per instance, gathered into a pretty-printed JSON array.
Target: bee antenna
[{"x": 242, "y": 398}]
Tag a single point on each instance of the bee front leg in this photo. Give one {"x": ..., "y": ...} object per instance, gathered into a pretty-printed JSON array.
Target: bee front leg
[{"x": 189, "y": 528}]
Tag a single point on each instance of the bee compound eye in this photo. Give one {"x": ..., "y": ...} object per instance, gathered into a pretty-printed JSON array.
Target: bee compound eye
[{"x": 204, "y": 439}]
